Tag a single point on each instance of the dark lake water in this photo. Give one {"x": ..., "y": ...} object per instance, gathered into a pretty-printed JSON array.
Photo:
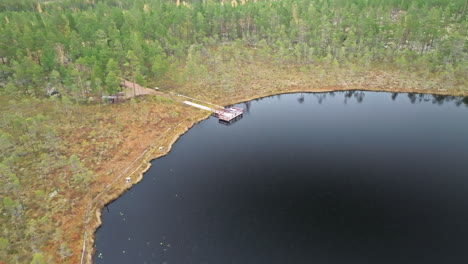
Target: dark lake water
[{"x": 346, "y": 177}]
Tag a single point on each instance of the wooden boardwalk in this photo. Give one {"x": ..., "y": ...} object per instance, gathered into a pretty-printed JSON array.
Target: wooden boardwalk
[{"x": 225, "y": 115}]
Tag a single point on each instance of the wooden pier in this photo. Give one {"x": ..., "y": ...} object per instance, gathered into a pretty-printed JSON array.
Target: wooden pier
[
  {"x": 229, "y": 114},
  {"x": 225, "y": 115}
]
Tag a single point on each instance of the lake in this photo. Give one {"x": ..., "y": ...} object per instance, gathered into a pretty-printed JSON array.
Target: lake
[{"x": 344, "y": 177}]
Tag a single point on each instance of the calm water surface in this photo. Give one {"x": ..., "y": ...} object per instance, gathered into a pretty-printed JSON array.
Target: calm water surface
[{"x": 304, "y": 178}]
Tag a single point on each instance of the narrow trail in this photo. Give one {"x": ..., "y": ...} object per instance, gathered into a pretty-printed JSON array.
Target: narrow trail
[{"x": 132, "y": 89}]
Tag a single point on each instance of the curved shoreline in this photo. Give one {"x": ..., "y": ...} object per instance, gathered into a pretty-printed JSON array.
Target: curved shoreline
[{"x": 94, "y": 222}]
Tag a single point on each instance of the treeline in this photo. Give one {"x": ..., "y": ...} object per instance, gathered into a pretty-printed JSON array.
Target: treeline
[{"x": 82, "y": 48}]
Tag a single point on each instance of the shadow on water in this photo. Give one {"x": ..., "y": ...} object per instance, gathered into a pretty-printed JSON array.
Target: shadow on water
[{"x": 229, "y": 123}]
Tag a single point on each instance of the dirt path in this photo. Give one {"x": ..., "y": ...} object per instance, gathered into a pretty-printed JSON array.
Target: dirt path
[{"x": 132, "y": 89}]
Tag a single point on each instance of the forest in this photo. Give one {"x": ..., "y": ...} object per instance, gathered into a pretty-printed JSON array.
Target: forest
[
  {"x": 58, "y": 58},
  {"x": 82, "y": 48}
]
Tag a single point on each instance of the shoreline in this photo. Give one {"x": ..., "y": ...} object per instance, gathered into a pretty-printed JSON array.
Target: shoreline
[
  {"x": 93, "y": 224},
  {"x": 328, "y": 89},
  {"x": 167, "y": 141}
]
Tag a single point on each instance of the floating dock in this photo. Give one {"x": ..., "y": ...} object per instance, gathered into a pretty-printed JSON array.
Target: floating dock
[
  {"x": 226, "y": 115},
  {"x": 229, "y": 114}
]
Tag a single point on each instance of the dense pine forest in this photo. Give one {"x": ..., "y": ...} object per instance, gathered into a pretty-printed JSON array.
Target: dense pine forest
[
  {"x": 58, "y": 58},
  {"x": 82, "y": 48}
]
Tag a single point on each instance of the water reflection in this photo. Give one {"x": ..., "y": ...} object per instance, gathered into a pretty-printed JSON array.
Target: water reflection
[
  {"x": 228, "y": 123},
  {"x": 247, "y": 106},
  {"x": 301, "y": 99},
  {"x": 321, "y": 97},
  {"x": 437, "y": 99},
  {"x": 413, "y": 98},
  {"x": 358, "y": 95}
]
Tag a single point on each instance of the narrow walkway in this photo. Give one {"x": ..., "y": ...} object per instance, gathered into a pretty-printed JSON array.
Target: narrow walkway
[{"x": 224, "y": 114}]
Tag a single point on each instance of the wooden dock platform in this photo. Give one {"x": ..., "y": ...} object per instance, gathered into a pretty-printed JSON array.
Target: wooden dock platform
[
  {"x": 225, "y": 115},
  {"x": 229, "y": 114}
]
